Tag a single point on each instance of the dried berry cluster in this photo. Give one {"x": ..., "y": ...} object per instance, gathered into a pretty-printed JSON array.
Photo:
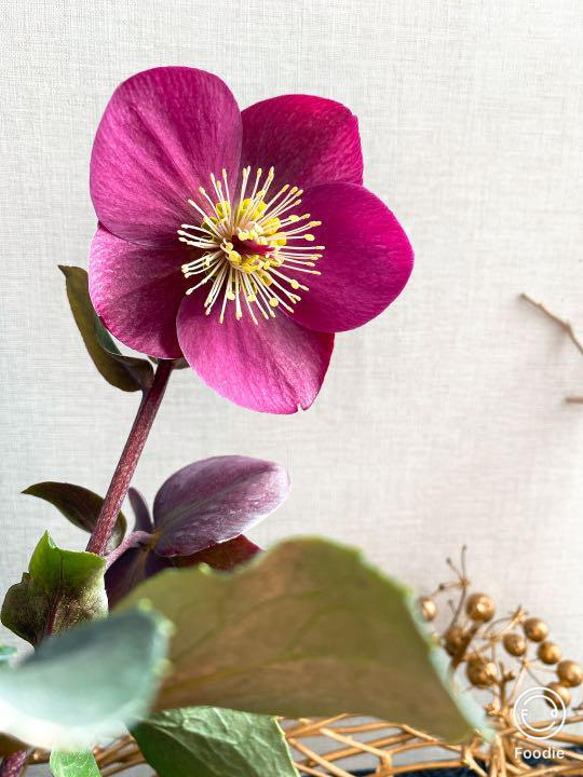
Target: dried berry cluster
[{"x": 499, "y": 654}]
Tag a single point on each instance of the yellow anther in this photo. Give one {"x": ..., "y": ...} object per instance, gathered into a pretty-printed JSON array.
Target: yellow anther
[
  {"x": 223, "y": 209},
  {"x": 242, "y": 218},
  {"x": 271, "y": 226}
]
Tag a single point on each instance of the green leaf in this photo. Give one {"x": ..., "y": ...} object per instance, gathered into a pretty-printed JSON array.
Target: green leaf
[
  {"x": 209, "y": 742},
  {"x": 66, "y": 764},
  {"x": 79, "y": 505},
  {"x": 308, "y": 629},
  {"x": 87, "y": 684},
  {"x": 60, "y": 589},
  {"x": 127, "y": 373}
]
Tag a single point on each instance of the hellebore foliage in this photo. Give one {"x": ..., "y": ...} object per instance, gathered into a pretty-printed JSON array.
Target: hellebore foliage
[
  {"x": 209, "y": 742},
  {"x": 306, "y": 629},
  {"x": 199, "y": 515},
  {"x": 87, "y": 684},
  {"x": 127, "y": 373},
  {"x": 79, "y": 505},
  {"x": 67, "y": 764}
]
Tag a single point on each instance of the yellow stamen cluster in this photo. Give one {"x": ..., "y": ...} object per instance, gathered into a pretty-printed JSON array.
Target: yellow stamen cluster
[{"x": 249, "y": 246}]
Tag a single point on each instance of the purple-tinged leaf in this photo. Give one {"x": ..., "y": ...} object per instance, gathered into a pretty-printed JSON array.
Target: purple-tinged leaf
[
  {"x": 139, "y": 563},
  {"x": 135, "y": 566},
  {"x": 225, "y": 556},
  {"x": 141, "y": 511},
  {"x": 216, "y": 500}
]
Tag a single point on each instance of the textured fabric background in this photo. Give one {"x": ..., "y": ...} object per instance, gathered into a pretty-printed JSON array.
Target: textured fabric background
[{"x": 442, "y": 422}]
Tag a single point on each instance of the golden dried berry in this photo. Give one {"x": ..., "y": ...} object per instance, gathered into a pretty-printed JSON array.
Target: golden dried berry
[
  {"x": 536, "y": 629},
  {"x": 480, "y": 672},
  {"x": 453, "y": 640},
  {"x": 549, "y": 652},
  {"x": 515, "y": 644},
  {"x": 563, "y": 693},
  {"x": 428, "y": 608},
  {"x": 480, "y": 607},
  {"x": 570, "y": 673}
]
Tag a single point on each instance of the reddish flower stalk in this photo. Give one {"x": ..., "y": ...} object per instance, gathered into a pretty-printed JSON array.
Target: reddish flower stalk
[{"x": 129, "y": 458}]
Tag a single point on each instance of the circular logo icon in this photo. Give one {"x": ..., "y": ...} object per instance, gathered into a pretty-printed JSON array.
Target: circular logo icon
[{"x": 527, "y": 713}]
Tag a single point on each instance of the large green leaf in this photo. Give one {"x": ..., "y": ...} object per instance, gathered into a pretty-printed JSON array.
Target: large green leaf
[
  {"x": 87, "y": 684},
  {"x": 60, "y": 589},
  {"x": 210, "y": 742},
  {"x": 308, "y": 629},
  {"x": 79, "y": 505},
  {"x": 67, "y": 764},
  {"x": 127, "y": 373}
]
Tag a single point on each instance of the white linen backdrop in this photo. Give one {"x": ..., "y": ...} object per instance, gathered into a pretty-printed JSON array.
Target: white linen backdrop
[{"x": 440, "y": 423}]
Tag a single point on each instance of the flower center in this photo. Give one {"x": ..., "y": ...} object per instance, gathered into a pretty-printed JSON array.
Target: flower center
[{"x": 251, "y": 244}]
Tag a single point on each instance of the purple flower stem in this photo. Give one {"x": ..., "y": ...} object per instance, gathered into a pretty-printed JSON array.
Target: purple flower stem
[
  {"x": 129, "y": 459},
  {"x": 13, "y": 765}
]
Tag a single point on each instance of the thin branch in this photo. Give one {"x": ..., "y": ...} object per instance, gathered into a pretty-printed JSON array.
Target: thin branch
[{"x": 562, "y": 322}]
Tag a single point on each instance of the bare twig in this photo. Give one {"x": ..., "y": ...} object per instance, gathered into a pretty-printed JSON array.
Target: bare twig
[
  {"x": 562, "y": 322},
  {"x": 567, "y": 327}
]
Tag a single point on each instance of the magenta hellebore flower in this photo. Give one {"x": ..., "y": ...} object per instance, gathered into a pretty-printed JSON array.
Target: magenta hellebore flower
[
  {"x": 240, "y": 240},
  {"x": 200, "y": 515}
]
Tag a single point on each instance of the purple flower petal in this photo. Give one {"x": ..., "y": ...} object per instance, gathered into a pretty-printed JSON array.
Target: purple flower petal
[
  {"x": 136, "y": 291},
  {"x": 215, "y": 500},
  {"x": 308, "y": 140},
  {"x": 139, "y": 505},
  {"x": 275, "y": 366},
  {"x": 366, "y": 262},
  {"x": 131, "y": 569},
  {"x": 163, "y": 133}
]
